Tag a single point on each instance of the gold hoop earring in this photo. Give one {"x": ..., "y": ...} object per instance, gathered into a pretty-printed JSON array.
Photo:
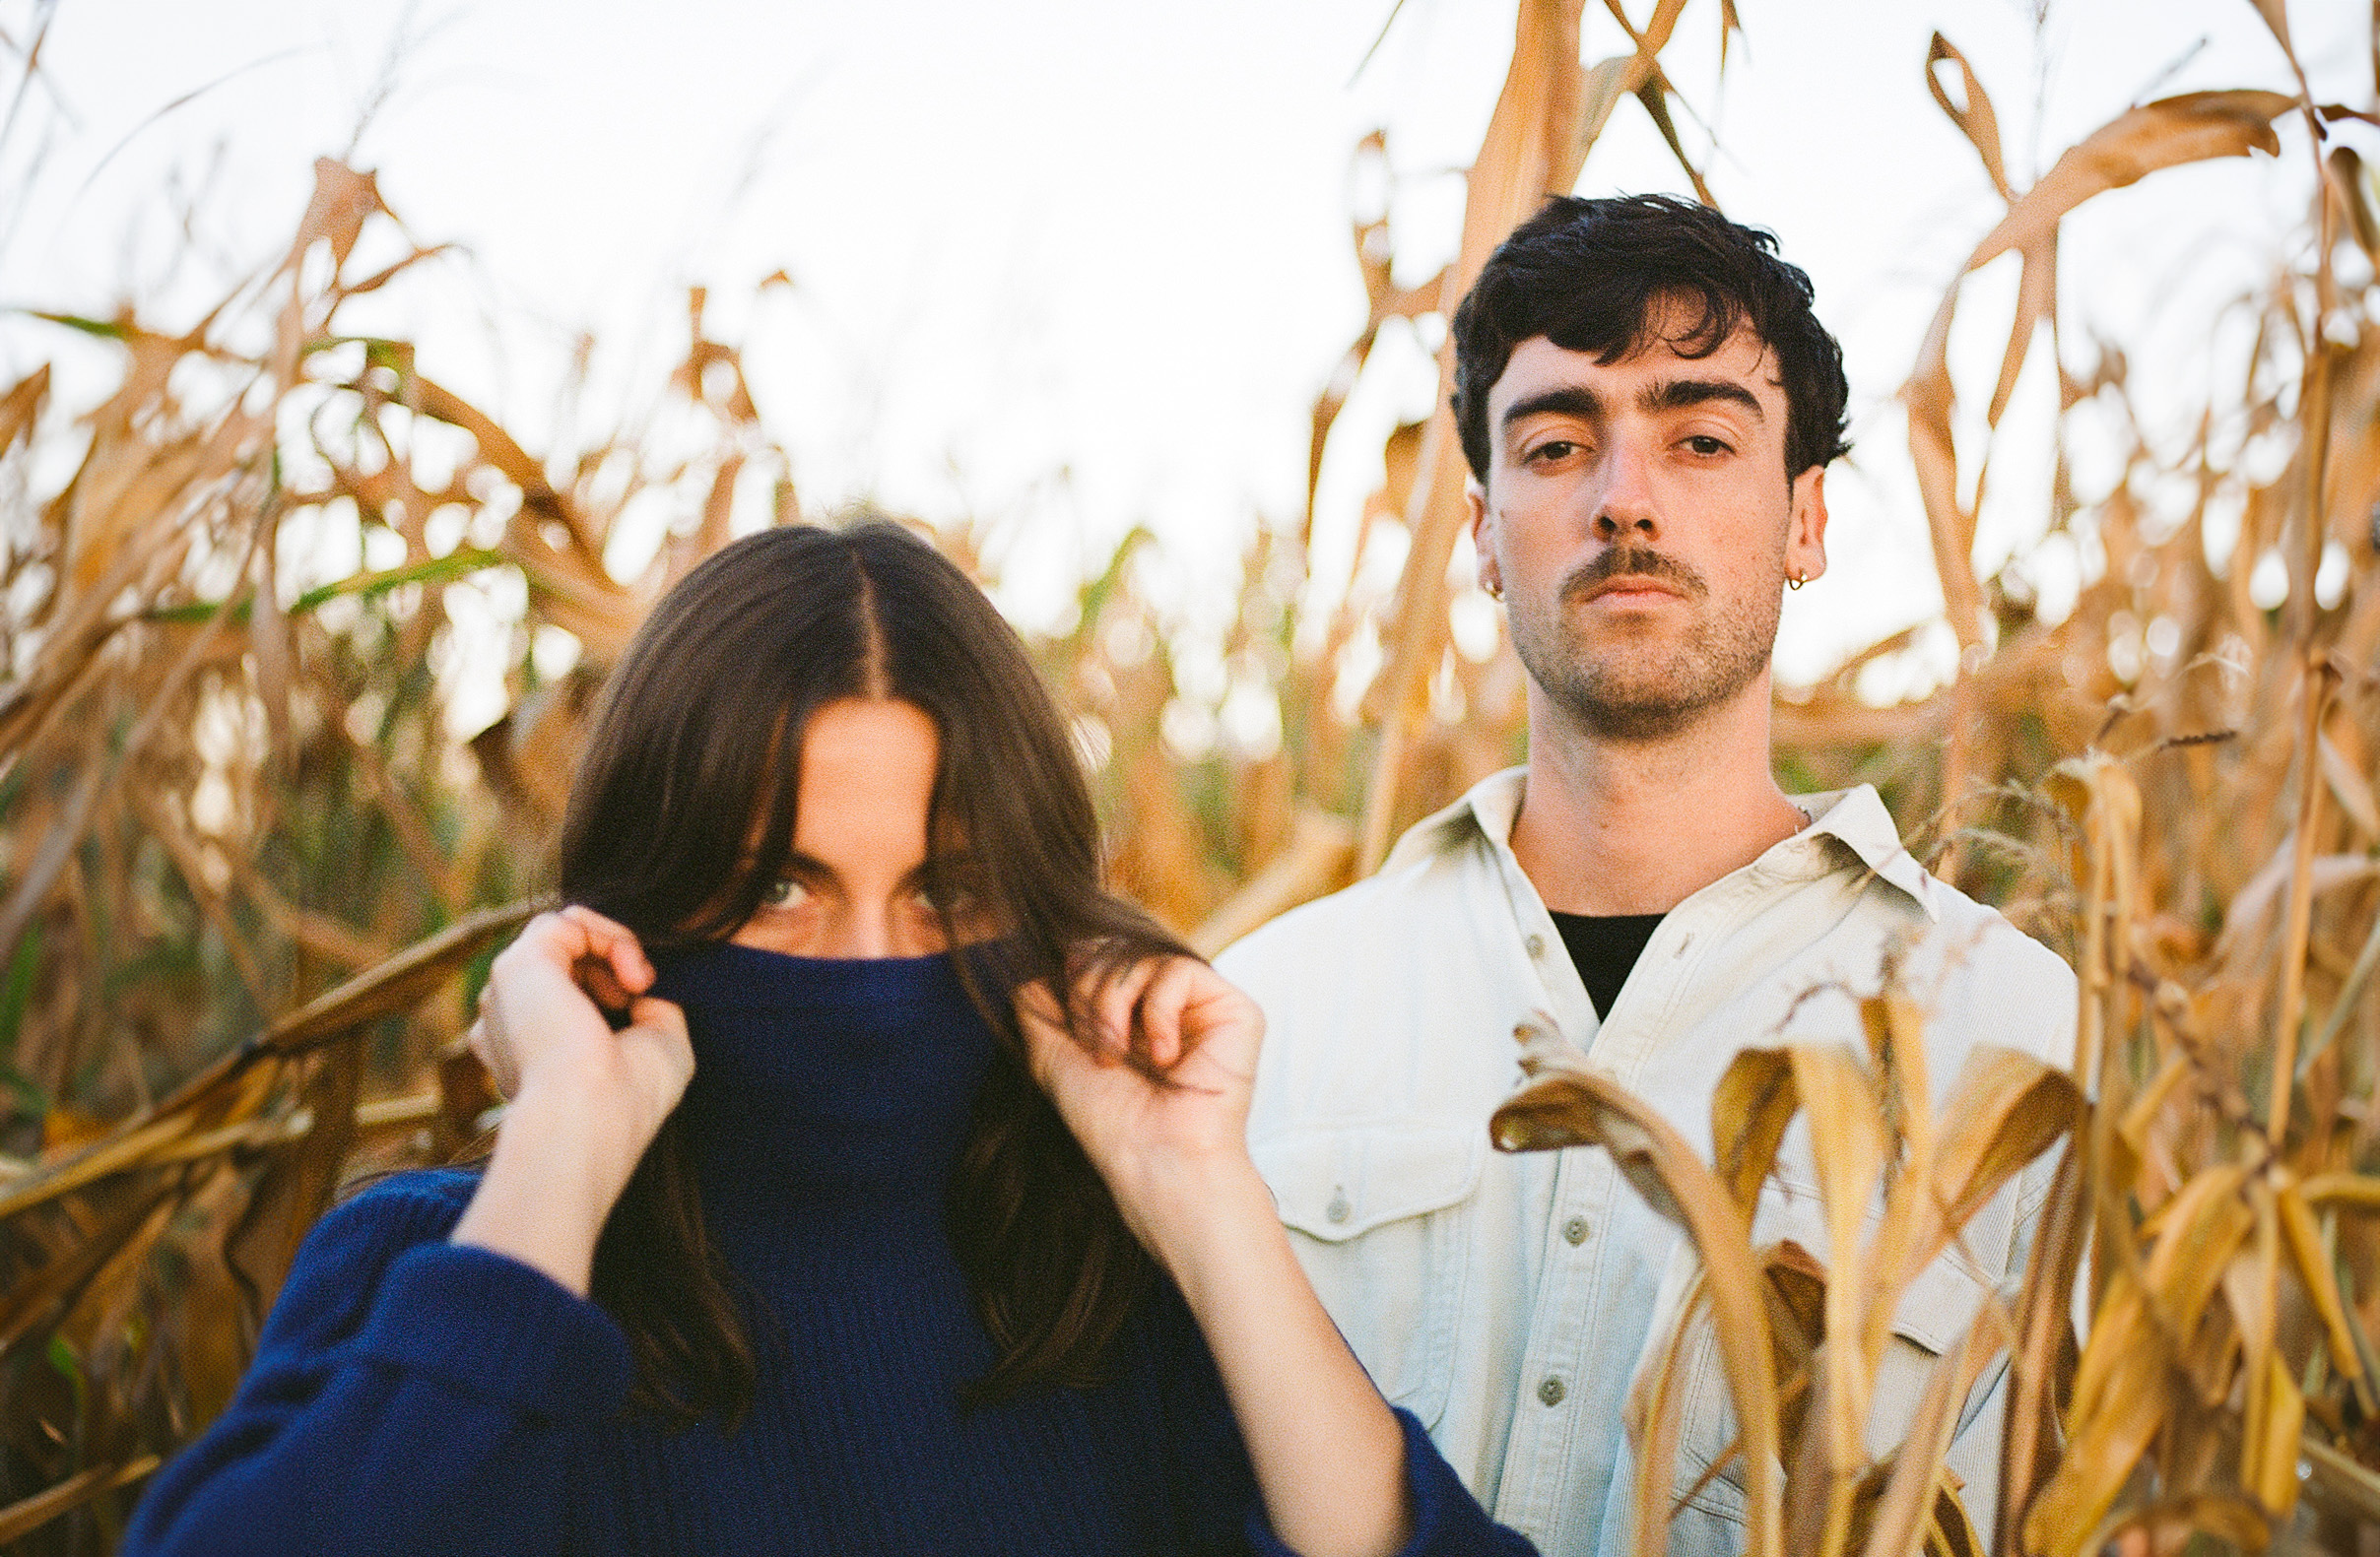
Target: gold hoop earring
[
  {"x": 1494, "y": 591},
  {"x": 1795, "y": 581}
]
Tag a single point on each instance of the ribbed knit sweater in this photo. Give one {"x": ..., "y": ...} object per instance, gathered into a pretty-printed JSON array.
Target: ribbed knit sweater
[{"x": 413, "y": 1396}]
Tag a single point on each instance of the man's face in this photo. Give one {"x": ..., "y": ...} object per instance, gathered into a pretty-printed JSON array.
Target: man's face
[{"x": 1639, "y": 522}]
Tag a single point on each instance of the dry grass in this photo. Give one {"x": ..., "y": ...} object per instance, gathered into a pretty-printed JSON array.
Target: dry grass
[{"x": 248, "y": 878}]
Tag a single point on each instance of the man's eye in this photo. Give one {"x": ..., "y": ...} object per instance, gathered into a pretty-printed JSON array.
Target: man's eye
[
  {"x": 783, "y": 892},
  {"x": 1552, "y": 449},
  {"x": 1706, "y": 445}
]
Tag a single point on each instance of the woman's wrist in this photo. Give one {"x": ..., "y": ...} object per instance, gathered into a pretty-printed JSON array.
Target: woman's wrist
[
  {"x": 560, "y": 1165},
  {"x": 1199, "y": 1213}
]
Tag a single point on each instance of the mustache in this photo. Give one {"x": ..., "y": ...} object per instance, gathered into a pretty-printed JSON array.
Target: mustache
[{"x": 1640, "y": 561}]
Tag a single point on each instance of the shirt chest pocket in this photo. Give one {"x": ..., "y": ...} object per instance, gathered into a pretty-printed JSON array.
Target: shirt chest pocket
[
  {"x": 1932, "y": 1316},
  {"x": 1380, "y": 1215}
]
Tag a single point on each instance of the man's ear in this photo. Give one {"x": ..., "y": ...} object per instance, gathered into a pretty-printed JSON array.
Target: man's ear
[
  {"x": 1806, "y": 529},
  {"x": 1482, "y": 538}
]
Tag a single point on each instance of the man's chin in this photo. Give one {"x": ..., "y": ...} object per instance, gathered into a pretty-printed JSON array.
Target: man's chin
[{"x": 1637, "y": 718}]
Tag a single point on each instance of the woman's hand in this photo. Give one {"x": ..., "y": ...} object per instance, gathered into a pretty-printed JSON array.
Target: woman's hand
[
  {"x": 586, "y": 1101},
  {"x": 1159, "y": 1102},
  {"x": 543, "y": 1026},
  {"x": 1164, "y": 1086}
]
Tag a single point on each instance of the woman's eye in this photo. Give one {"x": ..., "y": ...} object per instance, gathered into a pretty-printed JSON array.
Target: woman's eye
[
  {"x": 942, "y": 900},
  {"x": 783, "y": 892}
]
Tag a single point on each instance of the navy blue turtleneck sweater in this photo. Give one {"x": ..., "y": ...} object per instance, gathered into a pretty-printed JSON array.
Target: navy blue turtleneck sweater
[{"x": 413, "y": 1396}]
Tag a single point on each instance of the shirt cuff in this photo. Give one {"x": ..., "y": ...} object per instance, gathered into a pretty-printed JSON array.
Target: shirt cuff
[{"x": 490, "y": 1326}]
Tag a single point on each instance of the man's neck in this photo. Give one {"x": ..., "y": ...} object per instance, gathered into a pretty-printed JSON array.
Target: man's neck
[{"x": 1637, "y": 826}]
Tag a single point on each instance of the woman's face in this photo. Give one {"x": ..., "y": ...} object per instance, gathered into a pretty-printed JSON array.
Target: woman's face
[{"x": 862, "y": 877}]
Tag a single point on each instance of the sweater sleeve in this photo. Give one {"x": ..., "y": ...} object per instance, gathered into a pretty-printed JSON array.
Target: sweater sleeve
[
  {"x": 408, "y": 1396},
  {"x": 1215, "y": 1494}
]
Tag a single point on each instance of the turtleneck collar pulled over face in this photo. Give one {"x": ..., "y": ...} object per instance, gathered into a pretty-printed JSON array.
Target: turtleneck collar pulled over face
[{"x": 824, "y": 1075}]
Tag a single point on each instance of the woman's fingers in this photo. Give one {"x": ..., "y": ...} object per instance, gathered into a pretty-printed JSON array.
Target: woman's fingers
[
  {"x": 493, "y": 1057},
  {"x": 1036, "y": 1007},
  {"x": 598, "y": 977},
  {"x": 557, "y": 994},
  {"x": 1151, "y": 1015},
  {"x": 615, "y": 945},
  {"x": 666, "y": 1017},
  {"x": 1046, "y": 1029},
  {"x": 661, "y": 1025},
  {"x": 1115, "y": 1002},
  {"x": 1169, "y": 991}
]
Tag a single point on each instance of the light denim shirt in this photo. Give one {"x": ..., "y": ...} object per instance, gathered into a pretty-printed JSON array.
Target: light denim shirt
[{"x": 1507, "y": 1300}]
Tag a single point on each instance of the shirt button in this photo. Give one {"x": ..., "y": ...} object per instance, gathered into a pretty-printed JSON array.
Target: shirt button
[
  {"x": 1552, "y": 1392},
  {"x": 1575, "y": 1229},
  {"x": 1339, "y": 1210},
  {"x": 1535, "y": 945}
]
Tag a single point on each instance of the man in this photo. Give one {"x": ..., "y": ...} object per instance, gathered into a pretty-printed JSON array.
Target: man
[{"x": 1648, "y": 407}]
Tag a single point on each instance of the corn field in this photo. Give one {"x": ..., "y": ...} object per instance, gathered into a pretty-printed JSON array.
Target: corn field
[{"x": 249, "y": 879}]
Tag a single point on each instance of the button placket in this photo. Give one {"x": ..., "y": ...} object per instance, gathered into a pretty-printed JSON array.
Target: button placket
[{"x": 1564, "y": 1340}]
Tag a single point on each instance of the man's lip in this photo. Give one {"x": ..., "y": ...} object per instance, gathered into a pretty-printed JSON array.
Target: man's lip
[{"x": 1633, "y": 583}]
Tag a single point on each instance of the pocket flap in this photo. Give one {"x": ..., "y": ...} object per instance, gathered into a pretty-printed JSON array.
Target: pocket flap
[
  {"x": 1337, "y": 1183},
  {"x": 1938, "y": 1306},
  {"x": 1935, "y": 1309}
]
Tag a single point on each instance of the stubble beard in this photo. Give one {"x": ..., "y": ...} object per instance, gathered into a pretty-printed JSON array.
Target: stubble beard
[{"x": 1642, "y": 689}]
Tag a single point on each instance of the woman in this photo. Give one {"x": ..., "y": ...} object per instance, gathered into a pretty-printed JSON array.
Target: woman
[{"x": 879, "y": 1276}]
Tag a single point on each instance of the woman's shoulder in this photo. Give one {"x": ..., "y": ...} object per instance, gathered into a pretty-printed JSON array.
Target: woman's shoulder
[
  {"x": 429, "y": 1200},
  {"x": 419, "y": 1185},
  {"x": 386, "y": 1216},
  {"x": 340, "y": 1264}
]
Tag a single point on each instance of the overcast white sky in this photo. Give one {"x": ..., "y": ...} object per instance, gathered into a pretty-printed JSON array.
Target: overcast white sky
[{"x": 1108, "y": 240}]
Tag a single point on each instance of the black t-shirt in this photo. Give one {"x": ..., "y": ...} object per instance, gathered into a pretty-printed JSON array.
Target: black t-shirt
[{"x": 1603, "y": 947}]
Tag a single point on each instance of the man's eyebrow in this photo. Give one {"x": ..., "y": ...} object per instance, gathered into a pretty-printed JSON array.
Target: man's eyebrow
[
  {"x": 1681, "y": 394},
  {"x": 1570, "y": 400}
]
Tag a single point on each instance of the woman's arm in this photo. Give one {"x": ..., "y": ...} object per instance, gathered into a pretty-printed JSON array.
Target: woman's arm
[
  {"x": 1327, "y": 1453},
  {"x": 407, "y": 1396},
  {"x": 421, "y": 1376},
  {"x": 586, "y": 1101}
]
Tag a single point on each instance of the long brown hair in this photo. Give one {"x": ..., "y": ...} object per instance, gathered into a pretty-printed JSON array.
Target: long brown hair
[{"x": 683, "y": 814}]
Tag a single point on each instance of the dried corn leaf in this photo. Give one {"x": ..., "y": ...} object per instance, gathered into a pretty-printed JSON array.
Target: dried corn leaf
[
  {"x": 2321, "y": 1282},
  {"x": 21, "y": 407},
  {"x": 26, "y": 1515},
  {"x": 2119, "y": 1404},
  {"x": 1656, "y": 1417},
  {"x": 2162, "y": 134},
  {"x": 2276, "y": 1418},
  {"x": 1848, "y": 1146},
  {"x": 2352, "y": 789},
  {"x": 1976, "y": 120},
  {"x": 1754, "y": 1103}
]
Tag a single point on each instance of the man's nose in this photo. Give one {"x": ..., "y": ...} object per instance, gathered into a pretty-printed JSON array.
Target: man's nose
[{"x": 1625, "y": 506}]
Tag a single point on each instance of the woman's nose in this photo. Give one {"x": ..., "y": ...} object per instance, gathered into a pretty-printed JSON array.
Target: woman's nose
[{"x": 862, "y": 931}]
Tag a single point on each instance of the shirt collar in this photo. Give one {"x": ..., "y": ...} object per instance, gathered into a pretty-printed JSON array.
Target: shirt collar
[
  {"x": 1491, "y": 808},
  {"x": 1856, "y": 817}
]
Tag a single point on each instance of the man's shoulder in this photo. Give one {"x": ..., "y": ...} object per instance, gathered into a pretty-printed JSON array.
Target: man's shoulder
[
  {"x": 1972, "y": 964},
  {"x": 1366, "y": 919}
]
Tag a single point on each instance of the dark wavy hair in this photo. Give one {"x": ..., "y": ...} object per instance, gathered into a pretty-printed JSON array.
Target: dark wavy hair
[
  {"x": 683, "y": 812},
  {"x": 1596, "y": 275}
]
